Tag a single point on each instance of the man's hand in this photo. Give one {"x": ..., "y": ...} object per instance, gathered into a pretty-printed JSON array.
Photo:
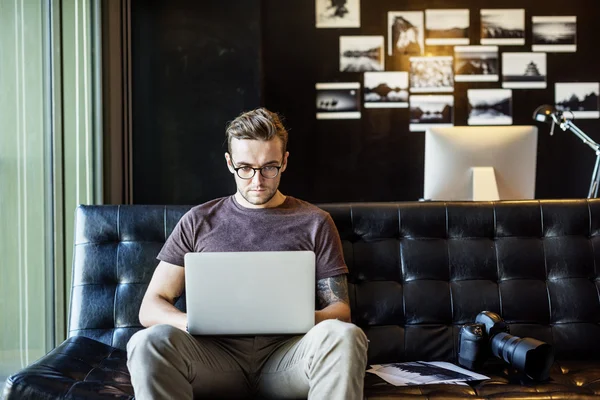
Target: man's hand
[{"x": 332, "y": 296}]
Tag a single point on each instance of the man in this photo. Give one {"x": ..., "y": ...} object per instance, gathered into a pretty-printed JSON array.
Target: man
[{"x": 328, "y": 362}]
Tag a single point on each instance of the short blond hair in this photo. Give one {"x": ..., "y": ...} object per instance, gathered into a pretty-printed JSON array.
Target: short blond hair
[{"x": 258, "y": 124}]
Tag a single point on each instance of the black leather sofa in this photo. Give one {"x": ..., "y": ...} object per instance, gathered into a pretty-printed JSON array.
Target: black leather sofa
[{"x": 418, "y": 271}]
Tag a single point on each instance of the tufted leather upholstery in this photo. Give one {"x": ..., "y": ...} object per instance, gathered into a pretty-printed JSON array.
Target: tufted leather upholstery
[{"x": 418, "y": 271}]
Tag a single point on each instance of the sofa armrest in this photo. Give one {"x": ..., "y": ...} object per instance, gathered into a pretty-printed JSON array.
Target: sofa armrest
[{"x": 79, "y": 368}]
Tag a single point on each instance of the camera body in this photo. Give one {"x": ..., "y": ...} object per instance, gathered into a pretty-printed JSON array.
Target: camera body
[
  {"x": 490, "y": 334},
  {"x": 472, "y": 342}
]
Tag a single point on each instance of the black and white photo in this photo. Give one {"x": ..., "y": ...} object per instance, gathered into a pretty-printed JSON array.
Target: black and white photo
[
  {"x": 423, "y": 373},
  {"x": 490, "y": 107},
  {"x": 431, "y": 74},
  {"x": 386, "y": 89},
  {"x": 476, "y": 64},
  {"x": 406, "y": 32},
  {"x": 338, "y": 100},
  {"x": 361, "y": 53},
  {"x": 447, "y": 27},
  {"x": 427, "y": 111},
  {"x": 579, "y": 98},
  {"x": 524, "y": 70},
  {"x": 503, "y": 26},
  {"x": 554, "y": 34},
  {"x": 337, "y": 13}
]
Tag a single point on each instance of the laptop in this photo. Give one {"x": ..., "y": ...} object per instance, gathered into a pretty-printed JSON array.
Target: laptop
[{"x": 250, "y": 293}]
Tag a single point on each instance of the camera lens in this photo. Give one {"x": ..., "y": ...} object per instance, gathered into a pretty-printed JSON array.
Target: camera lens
[{"x": 529, "y": 355}]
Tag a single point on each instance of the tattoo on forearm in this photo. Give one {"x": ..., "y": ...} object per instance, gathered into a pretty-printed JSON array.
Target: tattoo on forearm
[{"x": 332, "y": 290}]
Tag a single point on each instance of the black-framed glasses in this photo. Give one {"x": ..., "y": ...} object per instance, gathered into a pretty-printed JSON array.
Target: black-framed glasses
[{"x": 247, "y": 172}]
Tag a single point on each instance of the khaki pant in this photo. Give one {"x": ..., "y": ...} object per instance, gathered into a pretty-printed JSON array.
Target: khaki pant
[{"x": 328, "y": 362}]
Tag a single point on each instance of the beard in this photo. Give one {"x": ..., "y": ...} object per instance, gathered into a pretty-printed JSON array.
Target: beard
[{"x": 258, "y": 200}]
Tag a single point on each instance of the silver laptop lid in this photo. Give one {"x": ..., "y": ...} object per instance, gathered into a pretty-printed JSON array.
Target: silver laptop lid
[{"x": 248, "y": 293}]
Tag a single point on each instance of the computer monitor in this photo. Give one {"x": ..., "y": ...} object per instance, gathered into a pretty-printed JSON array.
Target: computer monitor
[{"x": 480, "y": 163}]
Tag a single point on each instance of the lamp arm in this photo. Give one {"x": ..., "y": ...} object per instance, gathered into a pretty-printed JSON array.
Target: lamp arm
[{"x": 568, "y": 124}]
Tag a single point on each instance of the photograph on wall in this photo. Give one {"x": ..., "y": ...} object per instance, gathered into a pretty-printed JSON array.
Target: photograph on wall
[
  {"x": 428, "y": 111},
  {"x": 447, "y": 27},
  {"x": 524, "y": 70},
  {"x": 554, "y": 34},
  {"x": 386, "y": 89},
  {"x": 406, "y": 32},
  {"x": 431, "y": 74},
  {"x": 490, "y": 107},
  {"x": 361, "y": 53},
  {"x": 338, "y": 100},
  {"x": 580, "y": 98},
  {"x": 476, "y": 64},
  {"x": 337, "y": 13},
  {"x": 503, "y": 26}
]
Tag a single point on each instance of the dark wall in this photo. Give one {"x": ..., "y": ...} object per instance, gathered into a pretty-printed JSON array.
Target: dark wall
[
  {"x": 199, "y": 64},
  {"x": 196, "y": 65},
  {"x": 376, "y": 157}
]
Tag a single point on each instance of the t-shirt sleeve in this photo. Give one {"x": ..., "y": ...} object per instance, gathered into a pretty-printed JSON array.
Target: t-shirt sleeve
[
  {"x": 180, "y": 242},
  {"x": 329, "y": 253}
]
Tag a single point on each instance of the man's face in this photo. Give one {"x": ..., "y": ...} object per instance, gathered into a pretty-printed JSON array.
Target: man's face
[{"x": 258, "y": 190}]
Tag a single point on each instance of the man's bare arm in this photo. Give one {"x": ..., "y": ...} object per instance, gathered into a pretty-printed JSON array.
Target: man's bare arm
[
  {"x": 157, "y": 307},
  {"x": 332, "y": 296}
]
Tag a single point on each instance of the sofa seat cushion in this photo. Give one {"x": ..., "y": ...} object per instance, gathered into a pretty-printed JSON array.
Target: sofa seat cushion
[
  {"x": 79, "y": 368},
  {"x": 568, "y": 380},
  {"x": 83, "y": 368}
]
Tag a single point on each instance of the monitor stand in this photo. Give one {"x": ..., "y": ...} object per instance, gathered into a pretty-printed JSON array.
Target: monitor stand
[{"x": 484, "y": 187}]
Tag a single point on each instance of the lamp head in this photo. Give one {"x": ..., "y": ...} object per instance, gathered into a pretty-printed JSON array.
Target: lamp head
[{"x": 544, "y": 113}]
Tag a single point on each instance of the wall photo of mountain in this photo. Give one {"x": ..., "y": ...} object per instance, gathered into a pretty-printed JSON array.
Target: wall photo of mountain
[
  {"x": 578, "y": 98},
  {"x": 386, "y": 90},
  {"x": 490, "y": 107},
  {"x": 447, "y": 27},
  {"x": 338, "y": 100},
  {"x": 405, "y": 33},
  {"x": 503, "y": 27},
  {"x": 427, "y": 111},
  {"x": 476, "y": 64},
  {"x": 554, "y": 34}
]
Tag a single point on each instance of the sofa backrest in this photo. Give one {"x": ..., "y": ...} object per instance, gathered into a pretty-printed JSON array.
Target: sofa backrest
[
  {"x": 113, "y": 262},
  {"x": 418, "y": 271}
]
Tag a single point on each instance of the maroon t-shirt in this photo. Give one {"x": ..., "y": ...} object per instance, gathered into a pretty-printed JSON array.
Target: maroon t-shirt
[{"x": 224, "y": 225}]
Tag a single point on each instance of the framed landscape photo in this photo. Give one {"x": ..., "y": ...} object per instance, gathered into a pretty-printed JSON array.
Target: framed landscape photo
[
  {"x": 361, "y": 53},
  {"x": 447, "y": 27},
  {"x": 503, "y": 27},
  {"x": 386, "y": 90},
  {"x": 490, "y": 107},
  {"x": 338, "y": 100},
  {"x": 554, "y": 34},
  {"x": 476, "y": 64},
  {"x": 578, "y": 98},
  {"x": 427, "y": 111}
]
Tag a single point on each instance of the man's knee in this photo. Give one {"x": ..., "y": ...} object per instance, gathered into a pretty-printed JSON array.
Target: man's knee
[
  {"x": 343, "y": 332},
  {"x": 154, "y": 337}
]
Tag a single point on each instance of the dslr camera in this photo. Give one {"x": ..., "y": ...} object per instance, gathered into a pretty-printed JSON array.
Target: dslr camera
[{"x": 491, "y": 335}]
